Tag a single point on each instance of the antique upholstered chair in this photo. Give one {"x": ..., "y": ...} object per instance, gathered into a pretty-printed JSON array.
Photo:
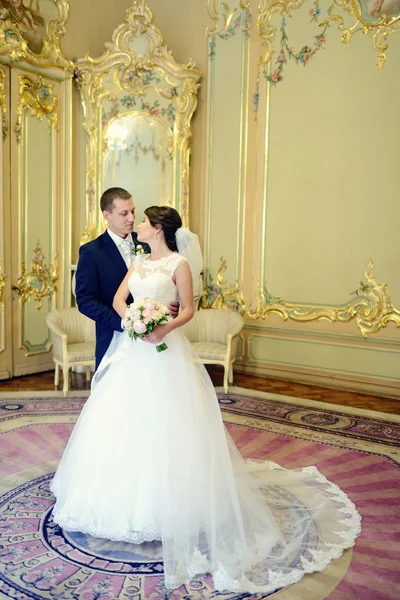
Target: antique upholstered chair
[
  {"x": 74, "y": 340},
  {"x": 214, "y": 335}
]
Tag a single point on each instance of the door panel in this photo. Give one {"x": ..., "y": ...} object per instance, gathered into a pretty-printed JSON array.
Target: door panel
[
  {"x": 6, "y": 367},
  {"x": 35, "y": 215}
]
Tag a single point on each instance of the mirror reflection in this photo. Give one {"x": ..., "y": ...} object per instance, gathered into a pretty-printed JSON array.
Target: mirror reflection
[{"x": 139, "y": 158}]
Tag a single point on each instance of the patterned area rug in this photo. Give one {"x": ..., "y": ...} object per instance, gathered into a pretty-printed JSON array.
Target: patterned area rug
[{"x": 358, "y": 452}]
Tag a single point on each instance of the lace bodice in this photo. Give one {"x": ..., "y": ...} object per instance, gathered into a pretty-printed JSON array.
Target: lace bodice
[{"x": 153, "y": 278}]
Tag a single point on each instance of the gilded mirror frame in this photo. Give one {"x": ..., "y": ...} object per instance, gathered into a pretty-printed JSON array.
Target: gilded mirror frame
[{"x": 148, "y": 81}]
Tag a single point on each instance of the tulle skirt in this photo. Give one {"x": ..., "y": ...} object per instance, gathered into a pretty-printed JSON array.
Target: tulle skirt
[{"x": 150, "y": 459}]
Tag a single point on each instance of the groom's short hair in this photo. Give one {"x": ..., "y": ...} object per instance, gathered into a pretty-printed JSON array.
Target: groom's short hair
[{"x": 114, "y": 193}]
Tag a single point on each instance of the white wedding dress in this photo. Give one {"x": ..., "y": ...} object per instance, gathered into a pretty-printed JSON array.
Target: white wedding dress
[{"x": 150, "y": 459}]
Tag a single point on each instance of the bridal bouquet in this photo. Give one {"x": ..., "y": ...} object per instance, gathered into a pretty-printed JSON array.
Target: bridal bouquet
[{"x": 142, "y": 316}]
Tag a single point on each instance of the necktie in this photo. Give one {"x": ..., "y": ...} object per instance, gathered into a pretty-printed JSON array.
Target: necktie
[{"x": 126, "y": 251}]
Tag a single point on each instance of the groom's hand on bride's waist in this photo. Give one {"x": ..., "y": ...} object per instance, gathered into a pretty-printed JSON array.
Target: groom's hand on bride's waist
[{"x": 173, "y": 308}]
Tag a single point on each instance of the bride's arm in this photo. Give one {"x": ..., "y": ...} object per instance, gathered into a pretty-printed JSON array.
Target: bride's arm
[
  {"x": 119, "y": 302},
  {"x": 184, "y": 285}
]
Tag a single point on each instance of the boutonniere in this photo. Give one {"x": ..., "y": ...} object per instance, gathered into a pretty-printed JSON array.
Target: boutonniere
[{"x": 137, "y": 249}]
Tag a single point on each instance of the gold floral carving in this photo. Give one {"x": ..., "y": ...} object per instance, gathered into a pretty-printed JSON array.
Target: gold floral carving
[
  {"x": 3, "y": 278},
  {"x": 123, "y": 76},
  {"x": 3, "y": 105},
  {"x": 266, "y": 30},
  {"x": 39, "y": 99},
  {"x": 14, "y": 44},
  {"x": 221, "y": 294},
  {"x": 226, "y": 23},
  {"x": 222, "y": 16},
  {"x": 40, "y": 282},
  {"x": 372, "y": 308},
  {"x": 378, "y": 27}
]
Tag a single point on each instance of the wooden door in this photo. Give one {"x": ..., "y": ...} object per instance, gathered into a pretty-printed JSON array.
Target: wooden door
[{"x": 39, "y": 232}]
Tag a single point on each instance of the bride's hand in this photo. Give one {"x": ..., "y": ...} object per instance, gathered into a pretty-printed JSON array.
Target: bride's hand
[{"x": 157, "y": 335}]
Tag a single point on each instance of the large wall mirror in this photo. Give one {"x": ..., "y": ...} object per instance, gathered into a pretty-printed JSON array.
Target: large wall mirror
[
  {"x": 138, "y": 104},
  {"x": 140, "y": 158}
]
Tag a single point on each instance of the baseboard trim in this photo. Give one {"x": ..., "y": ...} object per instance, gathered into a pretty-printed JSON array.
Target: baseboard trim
[
  {"x": 33, "y": 369},
  {"x": 352, "y": 383},
  {"x": 4, "y": 374}
]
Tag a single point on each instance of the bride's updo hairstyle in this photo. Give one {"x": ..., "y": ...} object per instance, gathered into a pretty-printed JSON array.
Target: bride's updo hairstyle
[{"x": 168, "y": 219}]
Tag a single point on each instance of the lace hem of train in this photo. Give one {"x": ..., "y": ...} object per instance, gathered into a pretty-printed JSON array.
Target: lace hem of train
[{"x": 267, "y": 580}]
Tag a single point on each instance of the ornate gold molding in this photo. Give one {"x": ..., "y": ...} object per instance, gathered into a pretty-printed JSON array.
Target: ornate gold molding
[
  {"x": 21, "y": 35},
  {"x": 372, "y": 308},
  {"x": 3, "y": 278},
  {"x": 222, "y": 16},
  {"x": 266, "y": 31},
  {"x": 39, "y": 99},
  {"x": 377, "y": 26},
  {"x": 226, "y": 22},
  {"x": 221, "y": 294},
  {"x": 3, "y": 105},
  {"x": 90, "y": 231},
  {"x": 40, "y": 282},
  {"x": 136, "y": 72}
]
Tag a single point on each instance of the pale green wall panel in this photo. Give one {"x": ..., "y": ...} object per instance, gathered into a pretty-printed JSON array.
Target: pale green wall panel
[
  {"x": 227, "y": 115},
  {"x": 329, "y": 357},
  {"x": 333, "y": 172}
]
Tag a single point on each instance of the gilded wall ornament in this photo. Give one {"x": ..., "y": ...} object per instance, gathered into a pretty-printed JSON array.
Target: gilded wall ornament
[
  {"x": 38, "y": 96},
  {"x": 224, "y": 18},
  {"x": 370, "y": 20},
  {"x": 304, "y": 55},
  {"x": 3, "y": 105},
  {"x": 378, "y": 20},
  {"x": 221, "y": 294},
  {"x": 33, "y": 33},
  {"x": 40, "y": 282},
  {"x": 39, "y": 99},
  {"x": 372, "y": 308},
  {"x": 227, "y": 22},
  {"x": 3, "y": 278},
  {"x": 221, "y": 14}
]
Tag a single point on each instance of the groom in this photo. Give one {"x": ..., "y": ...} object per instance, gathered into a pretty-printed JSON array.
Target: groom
[{"x": 103, "y": 263}]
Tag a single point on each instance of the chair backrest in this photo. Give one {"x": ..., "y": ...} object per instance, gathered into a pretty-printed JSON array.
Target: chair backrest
[
  {"x": 213, "y": 325},
  {"x": 70, "y": 321}
]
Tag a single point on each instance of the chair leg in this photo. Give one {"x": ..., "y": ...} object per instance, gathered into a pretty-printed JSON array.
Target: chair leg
[
  {"x": 65, "y": 380},
  {"x": 230, "y": 376},
  {"x": 87, "y": 371},
  {"x": 226, "y": 372},
  {"x": 57, "y": 374}
]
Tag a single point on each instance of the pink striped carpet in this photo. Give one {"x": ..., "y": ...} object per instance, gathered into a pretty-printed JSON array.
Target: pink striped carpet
[{"x": 358, "y": 453}]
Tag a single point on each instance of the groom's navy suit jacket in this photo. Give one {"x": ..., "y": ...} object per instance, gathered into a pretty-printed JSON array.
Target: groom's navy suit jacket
[{"x": 100, "y": 271}]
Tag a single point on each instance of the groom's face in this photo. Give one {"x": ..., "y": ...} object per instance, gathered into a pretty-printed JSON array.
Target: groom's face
[{"x": 121, "y": 218}]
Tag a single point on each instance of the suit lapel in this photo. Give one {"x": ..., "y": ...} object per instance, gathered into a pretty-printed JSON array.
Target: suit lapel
[{"x": 114, "y": 253}]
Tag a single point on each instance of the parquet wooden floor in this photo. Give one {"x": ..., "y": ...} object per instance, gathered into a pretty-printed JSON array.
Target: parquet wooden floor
[{"x": 44, "y": 382}]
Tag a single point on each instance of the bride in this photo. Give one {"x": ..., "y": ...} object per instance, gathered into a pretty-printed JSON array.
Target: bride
[{"x": 150, "y": 459}]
